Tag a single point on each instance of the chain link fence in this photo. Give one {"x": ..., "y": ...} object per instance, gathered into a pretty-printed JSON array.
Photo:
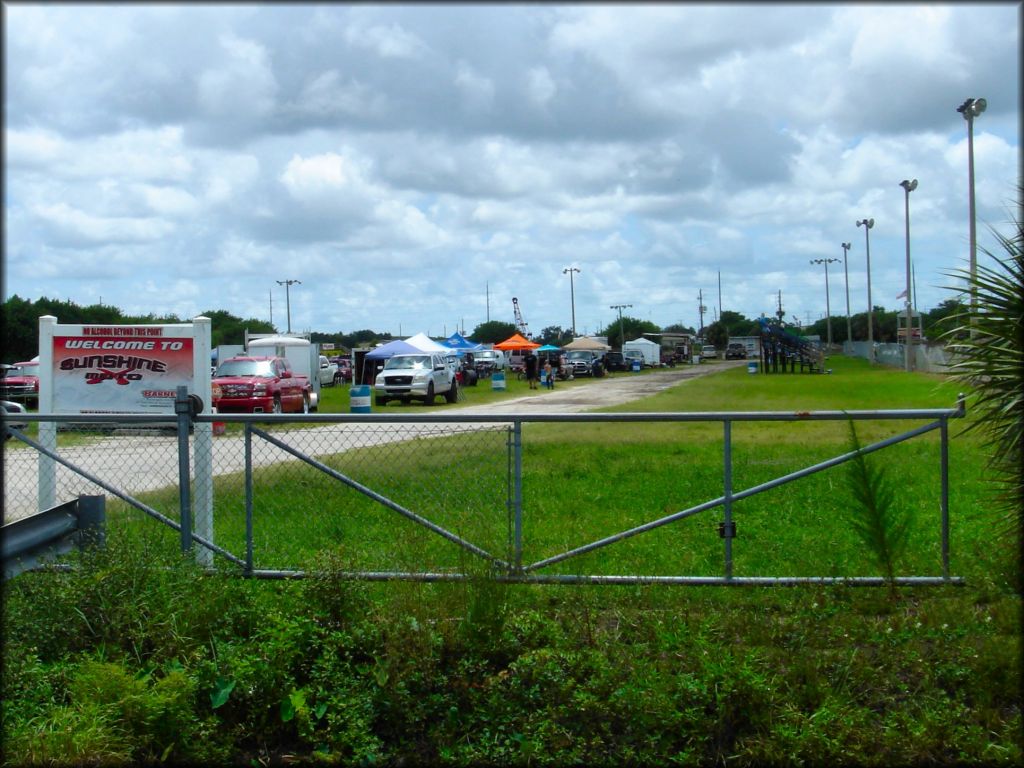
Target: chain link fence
[{"x": 545, "y": 498}]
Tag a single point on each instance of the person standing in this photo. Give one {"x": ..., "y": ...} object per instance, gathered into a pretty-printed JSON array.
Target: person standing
[
  {"x": 530, "y": 362},
  {"x": 549, "y": 374}
]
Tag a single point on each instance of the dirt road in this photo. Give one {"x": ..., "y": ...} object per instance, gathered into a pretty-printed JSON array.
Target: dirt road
[{"x": 611, "y": 390}]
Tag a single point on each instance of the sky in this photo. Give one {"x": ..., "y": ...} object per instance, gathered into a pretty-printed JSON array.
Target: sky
[{"x": 412, "y": 168}]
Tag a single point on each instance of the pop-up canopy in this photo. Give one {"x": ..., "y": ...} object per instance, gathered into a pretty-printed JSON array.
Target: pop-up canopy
[
  {"x": 516, "y": 341},
  {"x": 424, "y": 343},
  {"x": 392, "y": 348},
  {"x": 587, "y": 343}
]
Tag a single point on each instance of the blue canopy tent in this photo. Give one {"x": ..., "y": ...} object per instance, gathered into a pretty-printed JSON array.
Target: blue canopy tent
[
  {"x": 547, "y": 348},
  {"x": 373, "y": 361},
  {"x": 392, "y": 348},
  {"x": 461, "y": 344}
]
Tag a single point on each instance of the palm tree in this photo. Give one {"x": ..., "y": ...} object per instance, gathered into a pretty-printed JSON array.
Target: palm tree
[{"x": 987, "y": 342}]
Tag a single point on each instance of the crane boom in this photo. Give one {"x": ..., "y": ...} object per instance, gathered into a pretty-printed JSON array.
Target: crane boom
[{"x": 520, "y": 323}]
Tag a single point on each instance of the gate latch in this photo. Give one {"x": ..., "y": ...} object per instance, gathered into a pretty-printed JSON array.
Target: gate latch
[{"x": 727, "y": 531}]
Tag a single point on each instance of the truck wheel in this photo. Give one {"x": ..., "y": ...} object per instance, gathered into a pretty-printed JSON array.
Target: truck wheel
[
  {"x": 381, "y": 401},
  {"x": 452, "y": 395},
  {"x": 429, "y": 398},
  {"x": 277, "y": 405},
  {"x": 305, "y": 403}
]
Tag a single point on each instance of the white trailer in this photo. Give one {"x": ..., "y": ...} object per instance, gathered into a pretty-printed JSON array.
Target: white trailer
[
  {"x": 303, "y": 355},
  {"x": 650, "y": 350}
]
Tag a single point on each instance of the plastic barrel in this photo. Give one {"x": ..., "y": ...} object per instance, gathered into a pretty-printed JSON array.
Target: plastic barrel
[
  {"x": 359, "y": 398},
  {"x": 635, "y": 365},
  {"x": 752, "y": 366},
  {"x": 498, "y": 380}
]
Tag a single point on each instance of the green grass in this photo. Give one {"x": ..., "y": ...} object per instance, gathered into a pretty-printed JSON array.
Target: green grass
[{"x": 486, "y": 673}]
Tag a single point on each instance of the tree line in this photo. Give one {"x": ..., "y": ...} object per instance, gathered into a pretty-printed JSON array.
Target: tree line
[{"x": 21, "y": 326}]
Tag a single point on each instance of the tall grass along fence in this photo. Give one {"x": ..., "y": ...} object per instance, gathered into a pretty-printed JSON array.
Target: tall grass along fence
[{"x": 718, "y": 498}]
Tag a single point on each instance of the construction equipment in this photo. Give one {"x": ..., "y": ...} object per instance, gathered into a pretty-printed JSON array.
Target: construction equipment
[{"x": 520, "y": 323}]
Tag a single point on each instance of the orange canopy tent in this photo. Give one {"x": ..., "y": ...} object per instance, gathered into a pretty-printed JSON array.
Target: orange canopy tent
[{"x": 516, "y": 341}]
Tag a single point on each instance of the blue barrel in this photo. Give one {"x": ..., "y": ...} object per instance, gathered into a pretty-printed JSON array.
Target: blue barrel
[
  {"x": 752, "y": 366},
  {"x": 635, "y": 365},
  {"x": 498, "y": 380},
  {"x": 359, "y": 398}
]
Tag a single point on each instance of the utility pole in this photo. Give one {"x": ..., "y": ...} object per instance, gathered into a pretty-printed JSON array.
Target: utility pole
[
  {"x": 701, "y": 309},
  {"x": 719, "y": 294},
  {"x": 621, "y": 332},
  {"x": 572, "y": 296}
]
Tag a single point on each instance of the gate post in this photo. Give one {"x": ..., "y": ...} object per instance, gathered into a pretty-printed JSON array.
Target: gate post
[
  {"x": 517, "y": 494},
  {"x": 728, "y": 528},
  {"x": 183, "y": 409}
]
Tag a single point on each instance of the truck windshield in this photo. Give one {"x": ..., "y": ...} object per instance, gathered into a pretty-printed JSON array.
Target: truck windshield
[
  {"x": 408, "y": 362},
  {"x": 261, "y": 368}
]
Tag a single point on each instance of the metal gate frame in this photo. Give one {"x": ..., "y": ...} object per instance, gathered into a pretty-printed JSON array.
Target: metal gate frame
[{"x": 513, "y": 569}]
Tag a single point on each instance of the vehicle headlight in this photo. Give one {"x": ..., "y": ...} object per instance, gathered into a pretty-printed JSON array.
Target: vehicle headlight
[{"x": 259, "y": 390}]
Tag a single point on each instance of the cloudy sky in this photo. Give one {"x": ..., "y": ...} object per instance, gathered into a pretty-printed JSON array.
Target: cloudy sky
[{"x": 417, "y": 166}]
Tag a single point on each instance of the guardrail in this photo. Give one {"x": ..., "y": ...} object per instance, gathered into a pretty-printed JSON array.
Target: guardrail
[{"x": 43, "y": 536}]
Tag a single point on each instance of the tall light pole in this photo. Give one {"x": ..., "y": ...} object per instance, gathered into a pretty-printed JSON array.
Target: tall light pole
[
  {"x": 970, "y": 109},
  {"x": 846, "y": 274},
  {"x": 908, "y": 187},
  {"x": 621, "y": 332},
  {"x": 868, "y": 224},
  {"x": 287, "y": 299},
  {"x": 572, "y": 296},
  {"x": 828, "y": 306}
]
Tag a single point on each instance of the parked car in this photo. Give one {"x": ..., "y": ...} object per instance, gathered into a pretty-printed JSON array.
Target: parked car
[
  {"x": 633, "y": 355},
  {"x": 582, "y": 361},
  {"x": 20, "y": 382},
  {"x": 614, "y": 361},
  {"x": 736, "y": 351},
  {"x": 260, "y": 385},
  {"x": 344, "y": 373},
  {"x": 416, "y": 376},
  {"x": 328, "y": 372},
  {"x": 708, "y": 352},
  {"x": 12, "y": 409}
]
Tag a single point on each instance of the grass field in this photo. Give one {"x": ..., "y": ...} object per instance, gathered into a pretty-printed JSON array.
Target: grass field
[{"x": 124, "y": 663}]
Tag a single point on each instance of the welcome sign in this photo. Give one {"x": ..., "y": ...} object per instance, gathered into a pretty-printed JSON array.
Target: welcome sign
[{"x": 98, "y": 369}]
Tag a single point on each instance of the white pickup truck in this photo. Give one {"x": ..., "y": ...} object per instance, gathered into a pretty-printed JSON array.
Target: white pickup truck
[
  {"x": 416, "y": 377},
  {"x": 328, "y": 372}
]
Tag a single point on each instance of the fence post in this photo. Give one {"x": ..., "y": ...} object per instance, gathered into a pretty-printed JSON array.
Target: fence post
[
  {"x": 183, "y": 409},
  {"x": 248, "y": 500},
  {"x": 728, "y": 529},
  {"x": 517, "y": 493},
  {"x": 944, "y": 480}
]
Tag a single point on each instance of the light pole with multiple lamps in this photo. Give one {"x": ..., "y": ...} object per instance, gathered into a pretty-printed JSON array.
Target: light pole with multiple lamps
[
  {"x": 572, "y": 296},
  {"x": 287, "y": 299},
  {"x": 828, "y": 306},
  {"x": 970, "y": 109},
  {"x": 846, "y": 274},
  {"x": 868, "y": 224},
  {"x": 908, "y": 187}
]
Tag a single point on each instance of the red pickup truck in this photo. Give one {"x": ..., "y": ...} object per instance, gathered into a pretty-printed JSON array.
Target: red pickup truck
[{"x": 260, "y": 385}]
